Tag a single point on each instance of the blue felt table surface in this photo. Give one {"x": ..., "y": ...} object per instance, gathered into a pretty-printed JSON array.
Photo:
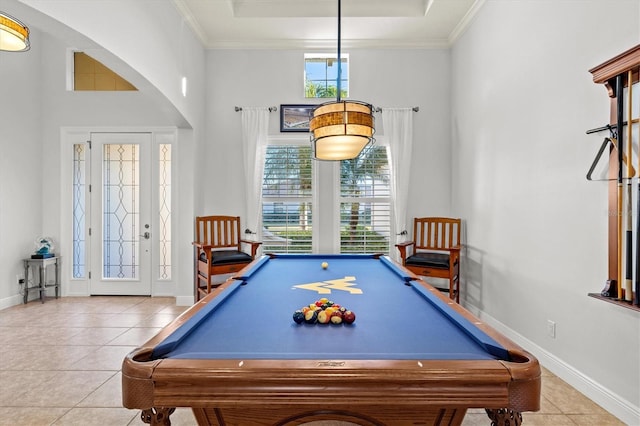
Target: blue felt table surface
[{"x": 396, "y": 321}]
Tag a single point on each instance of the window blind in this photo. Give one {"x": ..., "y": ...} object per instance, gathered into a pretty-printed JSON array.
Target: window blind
[
  {"x": 286, "y": 200},
  {"x": 365, "y": 205}
]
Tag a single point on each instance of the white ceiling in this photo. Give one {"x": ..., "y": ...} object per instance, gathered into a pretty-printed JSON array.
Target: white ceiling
[{"x": 314, "y": 23}]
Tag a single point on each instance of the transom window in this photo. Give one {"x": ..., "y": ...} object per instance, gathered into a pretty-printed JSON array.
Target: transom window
[
  {"x": 90, "y": 74},
  {"x": 321, "y": 73}
]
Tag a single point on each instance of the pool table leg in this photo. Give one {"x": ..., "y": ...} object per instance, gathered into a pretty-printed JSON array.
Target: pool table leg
[
  {"x": 157, "y": 416},
  {"x": 504, "y": 417}
]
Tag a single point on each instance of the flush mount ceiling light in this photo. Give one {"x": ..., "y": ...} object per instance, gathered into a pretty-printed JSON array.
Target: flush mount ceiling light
[
  {"x": 14, "y": 35},
  {"x": 340, "y": 130}
]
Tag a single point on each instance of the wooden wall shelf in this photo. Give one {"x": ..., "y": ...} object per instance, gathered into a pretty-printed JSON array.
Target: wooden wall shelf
[{"x": 615, "y": 301}]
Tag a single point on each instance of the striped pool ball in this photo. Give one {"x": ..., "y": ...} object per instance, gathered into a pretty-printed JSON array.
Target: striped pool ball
[
  {"x": 336, "y": 317},
  {"x": 311, "y": 317}
]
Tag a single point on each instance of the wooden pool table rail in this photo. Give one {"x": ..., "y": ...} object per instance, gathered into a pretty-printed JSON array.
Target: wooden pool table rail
[{"x": 365, "y": 392}]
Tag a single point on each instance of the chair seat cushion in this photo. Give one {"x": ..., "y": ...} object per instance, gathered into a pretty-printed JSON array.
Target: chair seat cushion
[
  {"x": 225, "y": 257},
  {"x": 429, "y": 260}
]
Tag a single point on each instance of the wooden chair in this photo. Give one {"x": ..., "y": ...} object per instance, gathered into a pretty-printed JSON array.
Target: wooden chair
[
  {"x": 436, "y": 250},
  {"x": 218, "y": 250}
]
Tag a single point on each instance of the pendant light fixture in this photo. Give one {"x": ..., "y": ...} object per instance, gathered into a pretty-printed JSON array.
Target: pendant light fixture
[
  {"x": 14, "y": 35},
  {"x": 340, "y": 130}
]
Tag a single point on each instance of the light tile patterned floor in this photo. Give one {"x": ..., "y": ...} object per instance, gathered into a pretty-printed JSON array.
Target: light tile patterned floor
[{"x": 60, "y": 365}]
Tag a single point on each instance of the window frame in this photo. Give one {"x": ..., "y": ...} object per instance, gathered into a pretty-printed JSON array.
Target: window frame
[
  {"x": 299, "y": 142},
  {"x": 364, "y": 200}
]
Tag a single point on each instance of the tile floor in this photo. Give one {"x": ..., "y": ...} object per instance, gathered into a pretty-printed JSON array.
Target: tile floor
[{"x": 60, "y": 365}]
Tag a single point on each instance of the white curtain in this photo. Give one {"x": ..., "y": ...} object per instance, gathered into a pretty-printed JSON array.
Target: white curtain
[
  {"x": 398, "y": 130},
  {"x": 255, "y": 130}
]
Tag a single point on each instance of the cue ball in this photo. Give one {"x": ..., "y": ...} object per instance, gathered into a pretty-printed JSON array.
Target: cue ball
[{"x": 325, "y": 265}]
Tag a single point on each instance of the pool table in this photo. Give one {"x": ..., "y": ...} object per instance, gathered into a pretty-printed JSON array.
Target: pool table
[{"x": 411, "y": 357}]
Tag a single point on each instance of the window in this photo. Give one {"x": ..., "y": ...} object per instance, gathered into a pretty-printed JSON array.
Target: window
[
  {"x": 321, "y": 73},
  {"x": 79, "y": 210},
  {"x": 286, "y": 199},
  {"x": 89, "y": 74},
  {"x": 365, "y": 203},
  {"x": 164, "y": 211}
]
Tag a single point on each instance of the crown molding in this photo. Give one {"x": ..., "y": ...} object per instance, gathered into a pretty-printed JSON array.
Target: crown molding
[
  {"x": 191, "y": 20},
  {"x": 282, "y": 44},
  {"x": 465, "y": 22}
]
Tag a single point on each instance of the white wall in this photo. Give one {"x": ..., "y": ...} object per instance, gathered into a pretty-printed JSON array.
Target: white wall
[
  {"x": 148, "y": 35},
  {"x": 20, "y": 141},
  {"x": 536, "y": 229},
  {"x": 385, "y": 78}
]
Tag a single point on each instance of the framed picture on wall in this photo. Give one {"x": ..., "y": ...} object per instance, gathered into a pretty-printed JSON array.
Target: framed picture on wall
[{"x": 295, "y": 118}]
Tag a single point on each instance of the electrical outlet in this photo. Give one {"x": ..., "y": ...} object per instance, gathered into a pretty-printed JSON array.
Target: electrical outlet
[
  {"x": 551, "y": 329},
  {"x": 19, "y": 279}
]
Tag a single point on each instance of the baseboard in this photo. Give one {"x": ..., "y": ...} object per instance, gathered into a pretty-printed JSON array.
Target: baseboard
[
  {"x": 17, "y": 299},
  {"x": 610, "y": 401},
  {"x": 10, "y": 301}
]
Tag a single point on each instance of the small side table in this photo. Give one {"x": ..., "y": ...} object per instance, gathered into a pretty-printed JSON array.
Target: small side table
[{"x": 42, "y": 285}]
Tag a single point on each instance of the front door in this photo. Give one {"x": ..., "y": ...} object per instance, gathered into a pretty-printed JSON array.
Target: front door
[{"x": 120, "y": 211}]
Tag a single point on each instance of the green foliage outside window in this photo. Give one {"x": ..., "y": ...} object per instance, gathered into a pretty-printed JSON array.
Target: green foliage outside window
[{"x": 318, "y": 90}]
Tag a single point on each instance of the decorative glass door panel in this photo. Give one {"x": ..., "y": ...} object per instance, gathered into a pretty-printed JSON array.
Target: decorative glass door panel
[
  {"x": 121, "y": 197},
  {"x": 121, "y": 211}
]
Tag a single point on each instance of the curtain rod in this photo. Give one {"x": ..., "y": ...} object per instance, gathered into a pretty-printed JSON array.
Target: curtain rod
[
  {"x": 378, "y": 109},
  {"x": 271, "y": 109}
]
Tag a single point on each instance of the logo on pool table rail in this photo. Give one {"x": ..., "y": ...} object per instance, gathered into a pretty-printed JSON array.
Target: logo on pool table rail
[
  {"x": 325, "y": 287},
  {"x": 331, "y": 363}
]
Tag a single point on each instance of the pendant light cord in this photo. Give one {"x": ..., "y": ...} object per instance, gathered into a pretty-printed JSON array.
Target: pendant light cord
[{"x": 339, "y": 52}]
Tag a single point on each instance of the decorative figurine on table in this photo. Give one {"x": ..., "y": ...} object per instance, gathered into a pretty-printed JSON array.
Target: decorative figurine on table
[{"x": 44, "y": 248}]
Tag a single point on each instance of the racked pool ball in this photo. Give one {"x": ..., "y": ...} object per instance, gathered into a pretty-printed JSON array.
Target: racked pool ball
[
  {"x": 336, "y": 317},
  {"x": 348, "y": 317},
  {"x": 324, "y": 317},
  {"x": 324, "y": 265},
  {"x": 298, "y": 316},
  {"x": 311, "y": 317}
]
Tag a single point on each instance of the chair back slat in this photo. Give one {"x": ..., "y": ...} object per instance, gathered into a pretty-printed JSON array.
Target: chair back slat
[
  {"x": 218, "y": 231},
  {"x": 436, "y": 233}
]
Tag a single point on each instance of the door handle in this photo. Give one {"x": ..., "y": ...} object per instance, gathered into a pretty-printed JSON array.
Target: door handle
[{"x": 146, "y": 235}]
